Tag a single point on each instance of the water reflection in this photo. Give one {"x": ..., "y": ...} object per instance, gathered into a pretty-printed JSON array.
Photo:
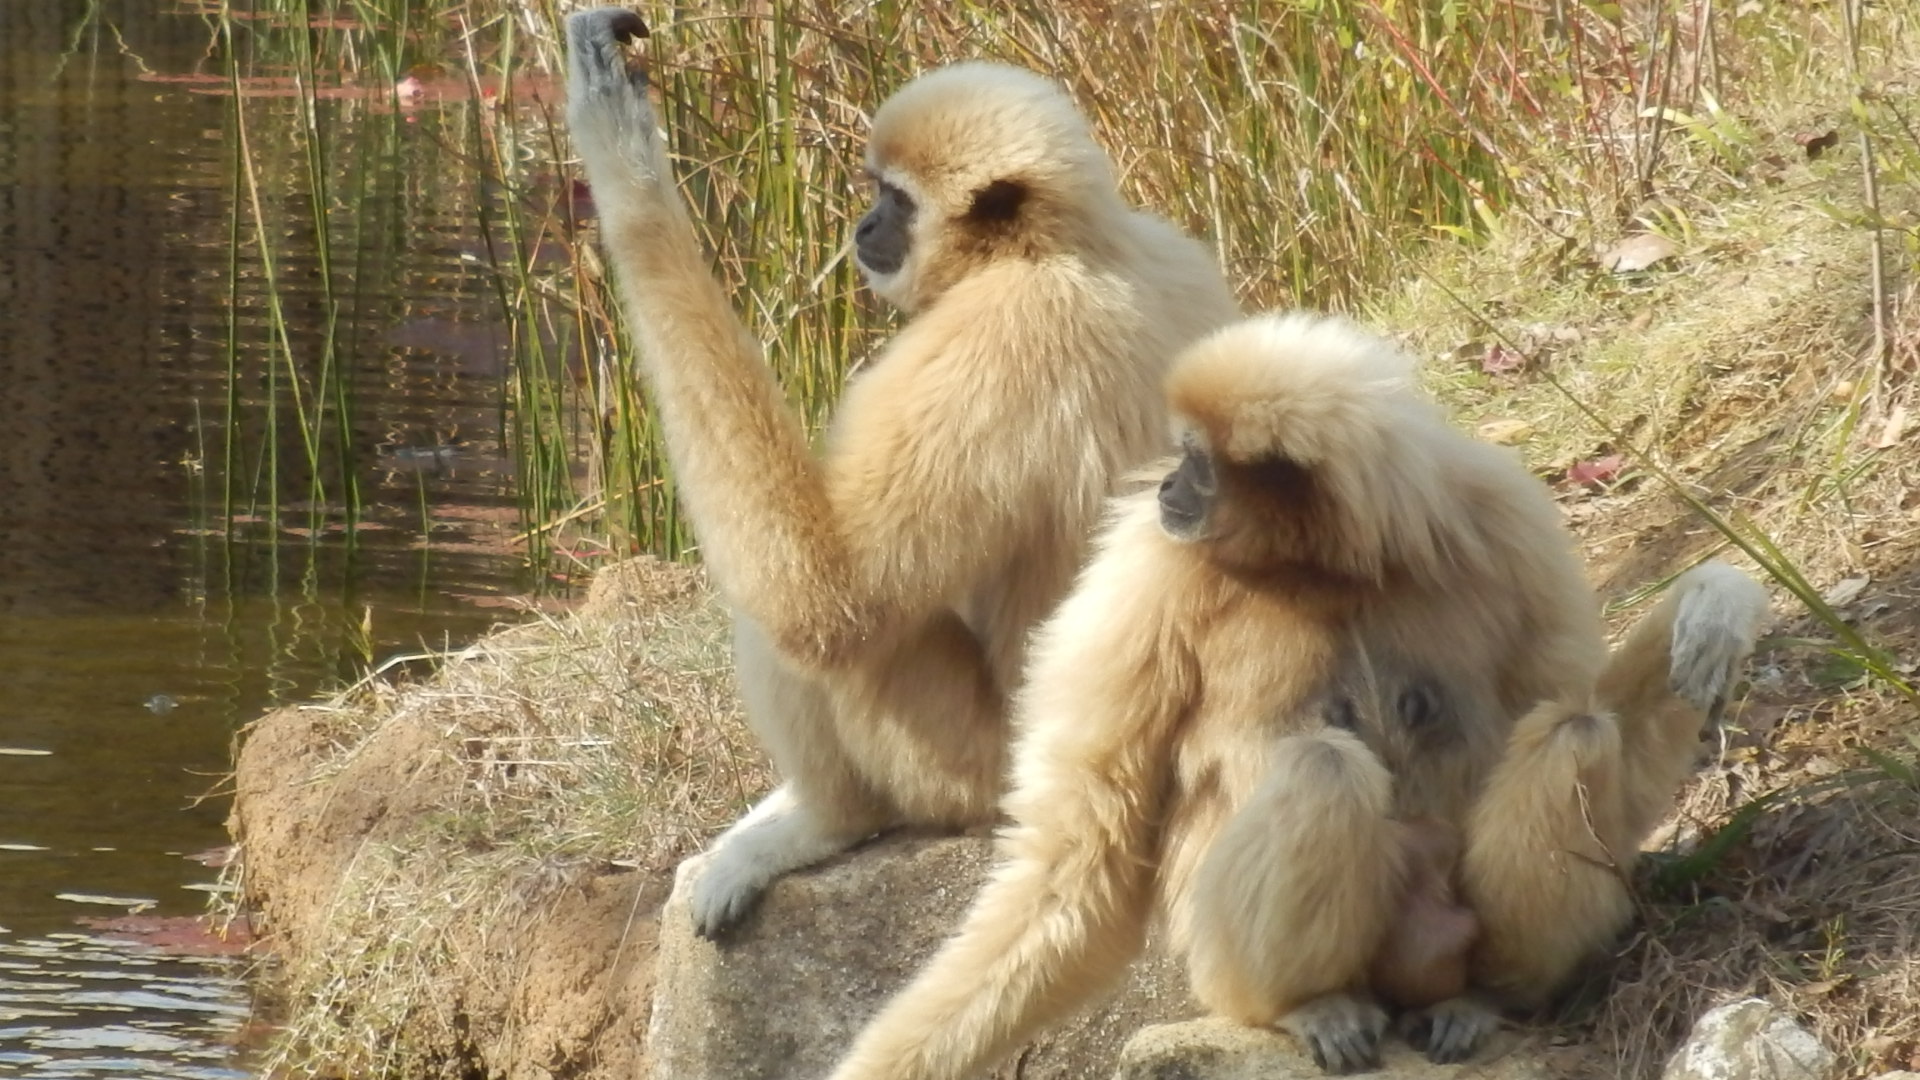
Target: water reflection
[
  {"x": 73, "y": 1006},
  {"x": 134, "y": 636}
]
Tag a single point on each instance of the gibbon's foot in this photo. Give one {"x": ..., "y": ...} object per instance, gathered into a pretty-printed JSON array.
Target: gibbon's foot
[
  {"x": 1341, "y": 1031},
  {"x": 1449, "y": 1033},
  {"x": 606, "y": 96},
  {"x": 1721, "y": 612},
  {"x": 775, "y": 837}
]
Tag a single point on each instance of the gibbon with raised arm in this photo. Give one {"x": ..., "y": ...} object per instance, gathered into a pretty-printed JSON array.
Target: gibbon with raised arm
[
  {"x": 1216, "y": 729},
  {"x": 883, "y": 592}
]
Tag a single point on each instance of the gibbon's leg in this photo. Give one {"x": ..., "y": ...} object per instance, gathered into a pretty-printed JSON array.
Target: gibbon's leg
[
  {"x": 1295, "y": 896},
  {"x": 917, "y": 708},
  {"x": 1068, "y": 905},
  {"x": 1562, "y": 816},
  {"x": 822, "y": 808},
  {"x": 1060, "y": 919}
]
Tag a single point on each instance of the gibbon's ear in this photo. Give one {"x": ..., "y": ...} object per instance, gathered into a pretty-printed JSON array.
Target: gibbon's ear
[{"x": 997, "y": 202}]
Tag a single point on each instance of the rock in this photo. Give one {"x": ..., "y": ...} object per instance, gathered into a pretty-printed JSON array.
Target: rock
[
  {"x": 1215, "y": 1049},
  {"x": 783, "y": 994},
  {"x": 1749, "y": 1040}
]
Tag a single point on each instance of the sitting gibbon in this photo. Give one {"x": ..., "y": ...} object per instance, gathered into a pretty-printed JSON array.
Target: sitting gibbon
[
  {"x": 1216, "y": 727},
  {"x": 883, "y": 592}
]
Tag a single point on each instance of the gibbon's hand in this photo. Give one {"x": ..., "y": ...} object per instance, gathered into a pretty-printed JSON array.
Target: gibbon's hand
[{"x": 607, "y": 95}]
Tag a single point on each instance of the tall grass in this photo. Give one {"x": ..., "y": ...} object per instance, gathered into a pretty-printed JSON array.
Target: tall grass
[{"x": 1319, "y": 143}]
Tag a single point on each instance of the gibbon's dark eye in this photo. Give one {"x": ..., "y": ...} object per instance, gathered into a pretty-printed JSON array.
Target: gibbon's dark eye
[
  {"x": 883, "y": 238},
  {"x": 1186, "y": 495}
]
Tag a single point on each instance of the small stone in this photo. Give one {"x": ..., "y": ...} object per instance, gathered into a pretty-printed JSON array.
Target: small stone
[{"x": 1750, "y": 1039}]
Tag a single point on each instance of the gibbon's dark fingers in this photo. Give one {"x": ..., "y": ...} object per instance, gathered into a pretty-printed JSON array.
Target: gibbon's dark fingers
[
  {"x": 1342, "y": 1032},
  {"x": 607, "y": 96}
]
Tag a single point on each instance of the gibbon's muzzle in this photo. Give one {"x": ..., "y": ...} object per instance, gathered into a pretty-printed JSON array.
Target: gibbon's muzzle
[
  {"x": 881, "y": 241},
  {"x": 1185, "y": 495}
]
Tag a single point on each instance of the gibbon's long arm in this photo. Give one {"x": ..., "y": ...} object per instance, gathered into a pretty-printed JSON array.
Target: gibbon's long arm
[
  {"x": 770, "y": 518},
  {"x": 1067, "y": 908}
]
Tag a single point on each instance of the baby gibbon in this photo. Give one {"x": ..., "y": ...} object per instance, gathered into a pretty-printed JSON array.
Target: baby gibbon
[
  {"x": 1324, "y": 529},
  {"x": 883, "y": 592}
]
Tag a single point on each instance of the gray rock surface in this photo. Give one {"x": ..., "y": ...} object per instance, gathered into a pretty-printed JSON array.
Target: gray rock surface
[
  {"x": 1750, "y": 1039},
  {"x": 1215, "y": 1049},
  {"x": 783, "y": 994}
]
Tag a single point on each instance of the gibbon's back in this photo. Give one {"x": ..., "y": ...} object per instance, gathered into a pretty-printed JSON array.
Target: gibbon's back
[{"x": 1045, "y": 314}]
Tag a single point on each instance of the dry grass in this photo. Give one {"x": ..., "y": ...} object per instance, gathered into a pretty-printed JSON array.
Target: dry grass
[{"x": 533, "y": 758}]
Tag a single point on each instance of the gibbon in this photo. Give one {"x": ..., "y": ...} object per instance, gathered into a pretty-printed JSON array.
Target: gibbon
[
  {"x": 1216, "y": 727},
  {"x": 883, "y": 592}
]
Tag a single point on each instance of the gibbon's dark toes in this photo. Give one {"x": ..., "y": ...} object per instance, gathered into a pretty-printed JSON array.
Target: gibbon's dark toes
[
  {"x": 714, "y": 925},
  {"x": 1450, "y": 1032},
  {"x": 1345, "y": 1051}
]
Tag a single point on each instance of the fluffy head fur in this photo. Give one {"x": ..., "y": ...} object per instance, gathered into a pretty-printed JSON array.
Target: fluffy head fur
[
  {"x": 1326, "y": 452},
  {"x": 998, "y": 162}
]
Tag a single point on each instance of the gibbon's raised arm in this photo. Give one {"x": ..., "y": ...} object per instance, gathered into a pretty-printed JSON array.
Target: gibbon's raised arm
[
  {"x": 1068, "y": 907},
  {"x": 773, "y": 522}
]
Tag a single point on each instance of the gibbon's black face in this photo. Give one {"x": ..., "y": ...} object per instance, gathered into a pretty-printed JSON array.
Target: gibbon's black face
[
  {"x": 882, "y": 240},
  {"x": 1186, "y": 496}
]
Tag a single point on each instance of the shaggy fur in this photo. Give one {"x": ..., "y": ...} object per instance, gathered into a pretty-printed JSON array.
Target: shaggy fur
[
  {"x": 1173, "y": 755},
  {"x": 884, "y": 591}
]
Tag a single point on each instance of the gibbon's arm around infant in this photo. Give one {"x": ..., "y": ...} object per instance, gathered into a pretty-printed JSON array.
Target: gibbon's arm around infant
[{"x": 829, "y": 558}]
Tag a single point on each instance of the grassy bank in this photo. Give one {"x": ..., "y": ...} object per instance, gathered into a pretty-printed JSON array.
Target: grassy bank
[{"x": 1665, "y": 251}]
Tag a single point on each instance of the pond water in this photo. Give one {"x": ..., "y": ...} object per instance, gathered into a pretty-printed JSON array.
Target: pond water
[{"x": 137, "y": 632}]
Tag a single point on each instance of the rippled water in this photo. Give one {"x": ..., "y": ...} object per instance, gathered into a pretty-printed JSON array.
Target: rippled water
[{"x": 135, "y": 636}]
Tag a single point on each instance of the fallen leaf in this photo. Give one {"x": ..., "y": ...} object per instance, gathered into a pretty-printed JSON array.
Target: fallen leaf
[
  {"x": 1506, "y": 432},
  {"x": 1500, "y": 360},
  {"x": 1637, "y": 252},
  {"x": 1846, "y": 591},
  {"x": 1596, "y": 472},
  {"x": 1894, "y": 429},
  {"x": 1816, "y": 143}
]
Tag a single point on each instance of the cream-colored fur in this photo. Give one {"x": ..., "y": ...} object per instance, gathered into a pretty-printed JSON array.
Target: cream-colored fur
[
  {"x": 884, "y": 590},
  {"x": 1171, "y": 753},
  {"x": 1586, "y": 779}
]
